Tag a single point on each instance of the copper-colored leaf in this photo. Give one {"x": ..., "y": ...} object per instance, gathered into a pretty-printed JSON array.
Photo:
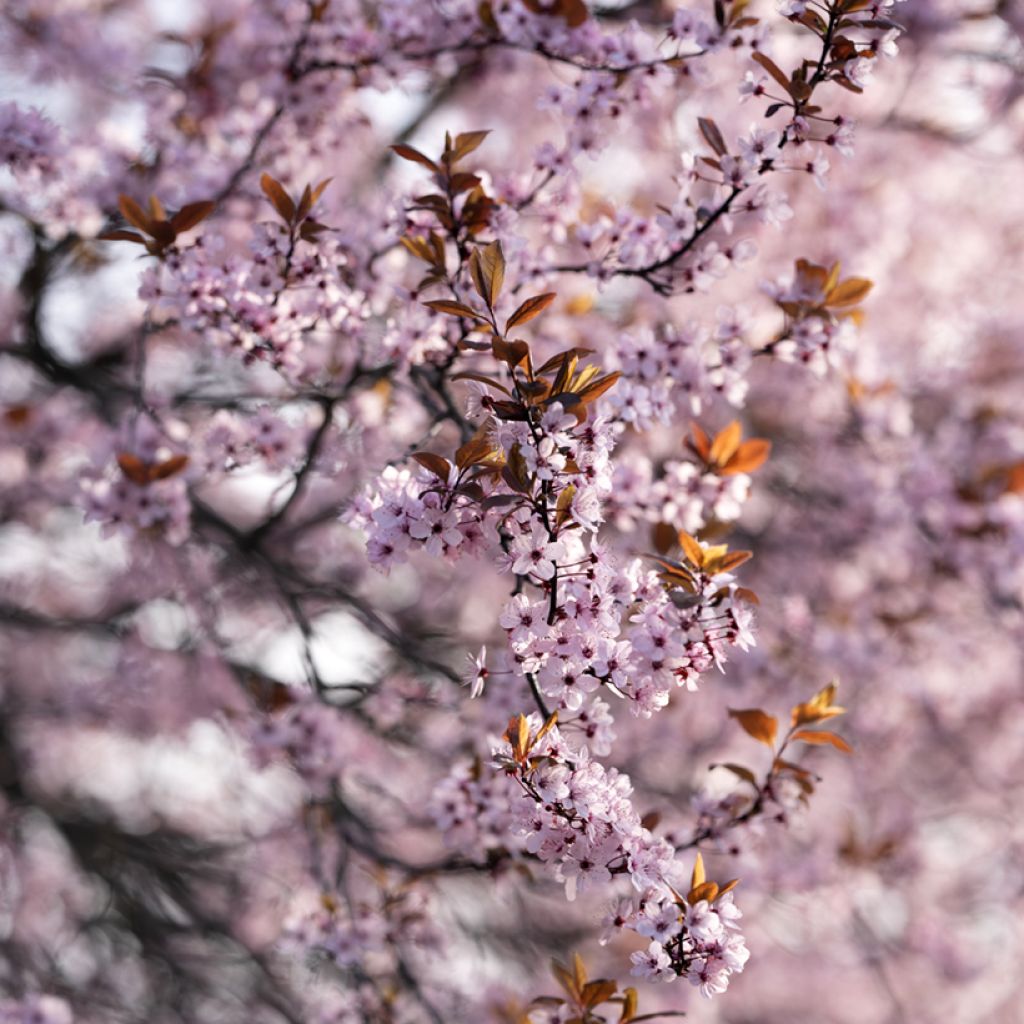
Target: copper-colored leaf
[
  {"x": 731, "y": 560},
  {"x": 712, "y": 135},
  {"x": 573, "y": 12},
  {"x": 120, "y": 235},
  {"x": 728, "y": 887},
  {"x": 774, "y": 70},
  {"x": 311, "y": 228},
  {"x": 546, "y": 727},
  {"x": 755, "y": 722},
  {"x": 821, "y": 738},
  {"x": 726, "y": 443},
  {"x": 487, "y": 268},
  {"x": 134, "y": 214},
  {"x": 595, "y": 390},
  {"x": 663, "y": 537},
  {"x": 819, "y": 708},
  {"x": 529, "y": 309},
  {"x": 565, "y": 372},
  {"x": 476, "y": 450},
  {"x": 705, "y": 891},
  {"x": 436, "y": 464},
  {"x": 454, "y": 308},
  {"x": 510, "y": 352},
  {"x": 691, "y": 548},
  {"x": 168, "y": 468},
  {"x": 749, "y": 456},
  {"x": 305, "y": 203},
  {"x": 629, "y": 1006},
  {"x": 563, "y": 505},
  {"x": 419, "y": 247},
  {"x": 133, "y": 468},
  {"x": 699, "y": 875},
  {"x": 579, "y": 972},
  {"x": 564, "y": 978},
  {"x": 833, "y": 277},
  {"x": 598, "y": 991},
  {"x": 849, "y": 292},
  {"x": 514, "y": 411},
  {"x": 162, "y": 232},
  {"x": 413, "y": 155},
  {"x": 319, "y": 190},
  {"x": 190, "y": 215},
  {"x": 556, "y": 361},
  {"x": 466, "y": 142},
  {"x": 700, "y": 442},
  {"x": 279, "y": 198}
]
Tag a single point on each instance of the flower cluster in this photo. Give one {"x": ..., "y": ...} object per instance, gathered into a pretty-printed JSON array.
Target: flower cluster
[
  {"x": 144, "y": 490},
  {"x": 576, "y": 817},
  {"x": 30, "y": 143},
  {"x": 309, "y": 734},
  {"x": 821, "y": 312}
]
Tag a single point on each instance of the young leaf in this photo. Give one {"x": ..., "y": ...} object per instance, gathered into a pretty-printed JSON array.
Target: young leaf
[
  {"x": 629, "y": 1004},
  {"x": 698, "y": 876},
  {"x": 133, "y": 468},
  {"x": 487, "y": 268},
  {"x": 436, "y": 464},
  {"x": 134, "y": 214},
  {"x": 763, "y": 727},
  {"x": 413, "y": 155},
  {"x": 279, "y": 199},
  {"x": 529, "y": 309},
  {"x": 705, "y": 891},
  {"x": 579, "y": 972},
  {"x": 726, "y": 443},
  {"x": 730, "y": 561},
  {"x": 819, "y": 738},
  {"x": 712, "y": 135},
  {"x": 700, "y": 442},
  {"x": 454, "y": 309},
  {"x": 510, "y": 352},
  {"x": 476, "y": 450},
  {"x": 168, "y": 468},
  {"x": 120, "y": 235},
  {"x": 598, "y": 991},
  {"x": 663, "y": 537},
  {"x": 749, "y": 456},
  {"x": 848, "y": 292},
  {"x": 774, "y": 70},
  {"x": 819, "y": 708},
  {"x": 595, "y": 390},
  {"x": 190, "y": 215},
  {"x": 693, "y": 551},
  {"x": 466, "y": 142},
  {"x": 563, "y": 504}
]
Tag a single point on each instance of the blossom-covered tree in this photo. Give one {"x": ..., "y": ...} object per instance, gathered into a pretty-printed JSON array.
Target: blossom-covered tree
[{"x": 451, "y": 454}]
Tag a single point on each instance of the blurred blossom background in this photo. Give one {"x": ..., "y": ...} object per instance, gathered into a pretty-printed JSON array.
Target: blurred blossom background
[{"x": 241, "y": 773}]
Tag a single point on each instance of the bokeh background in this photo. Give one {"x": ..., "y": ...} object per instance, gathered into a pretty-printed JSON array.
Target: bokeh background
[{"x": 155, "y": 829}]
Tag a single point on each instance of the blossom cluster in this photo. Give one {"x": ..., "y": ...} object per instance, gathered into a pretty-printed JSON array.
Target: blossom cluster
[
  {"x": 262, "y": 307},
  {"x": 577, "y": 818},
  {"x": 30, "y": 143}
]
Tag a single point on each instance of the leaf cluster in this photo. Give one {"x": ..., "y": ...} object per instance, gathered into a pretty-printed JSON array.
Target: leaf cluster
[{"x": 157, "y": 230}]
